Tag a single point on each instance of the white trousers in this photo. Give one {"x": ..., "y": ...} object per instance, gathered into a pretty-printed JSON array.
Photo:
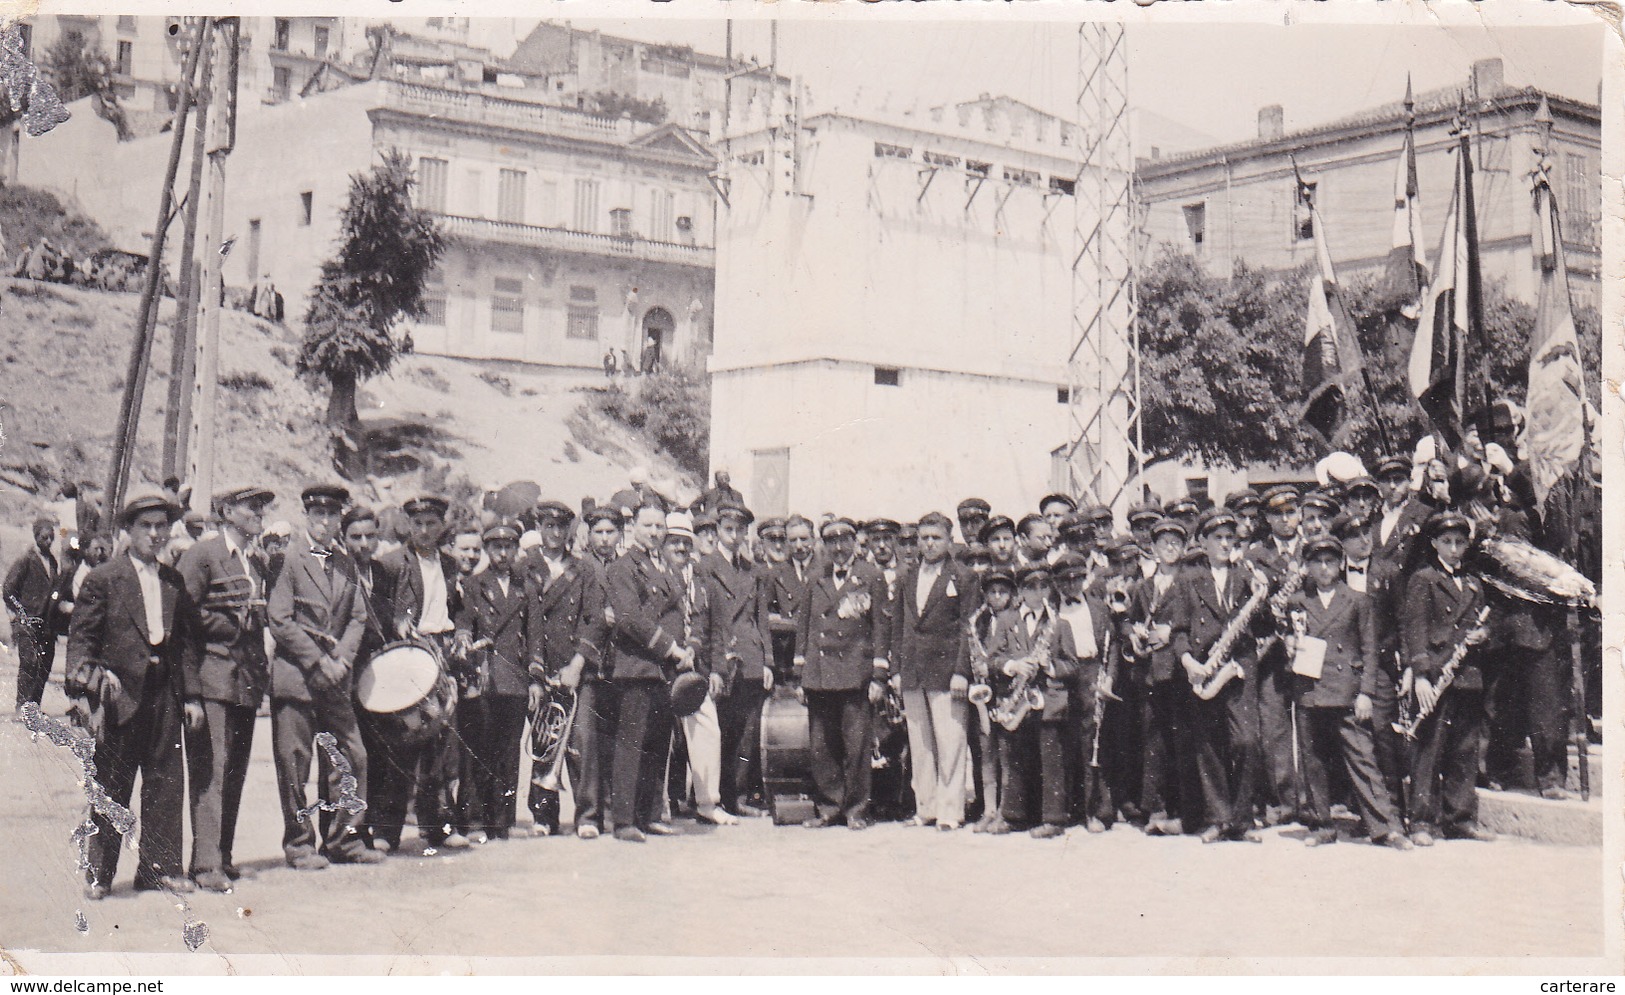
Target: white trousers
[
  {"x": 939, "y": 754},
  {"x": 704, "y": 735}
]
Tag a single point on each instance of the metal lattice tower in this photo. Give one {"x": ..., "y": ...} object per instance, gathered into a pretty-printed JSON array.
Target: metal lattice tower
[{"x": 1105, "y": 455}]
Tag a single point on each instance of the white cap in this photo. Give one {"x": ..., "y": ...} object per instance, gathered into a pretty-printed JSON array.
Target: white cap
[
  {"x": 681, "y": 525},
  {"x": 530, "y": 540}
]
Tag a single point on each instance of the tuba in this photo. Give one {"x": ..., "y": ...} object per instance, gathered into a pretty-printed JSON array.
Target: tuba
[{"x": 550, "y": 727}]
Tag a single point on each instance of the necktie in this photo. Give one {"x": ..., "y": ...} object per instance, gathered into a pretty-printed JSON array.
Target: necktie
[{"x": 840, "y": 576}]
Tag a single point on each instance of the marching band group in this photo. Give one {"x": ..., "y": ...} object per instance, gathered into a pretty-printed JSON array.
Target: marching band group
[{"x": 1265, "y": 661}]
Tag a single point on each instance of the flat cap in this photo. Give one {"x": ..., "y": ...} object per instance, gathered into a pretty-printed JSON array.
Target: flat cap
[
  {"x": 1181, "y": 506},
  {"x": 1050, "y": 499},
  {"x": 244, "y": 495},
  {"x": 136, "y": 506},
  {"x": 974, "y": 507},
  {"x": 994, "y": 524},
  {"x": 1143, "y": 513},
  {"x": 1321, "y": 500},
  {"x": 426, "y": 503},
  {"x": 1216, "y": 518},
  {"x": 325, "y": 496}
]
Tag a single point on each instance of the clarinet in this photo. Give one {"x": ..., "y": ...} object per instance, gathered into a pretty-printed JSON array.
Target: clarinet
[{"x": 1408, "y": 724}]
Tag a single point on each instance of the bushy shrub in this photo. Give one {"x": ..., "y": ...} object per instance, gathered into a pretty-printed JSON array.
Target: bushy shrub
[{"x": 672, "y": 410}]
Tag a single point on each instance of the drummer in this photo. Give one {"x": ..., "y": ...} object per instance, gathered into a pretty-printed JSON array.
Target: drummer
[{"x": 318, "y": 614}]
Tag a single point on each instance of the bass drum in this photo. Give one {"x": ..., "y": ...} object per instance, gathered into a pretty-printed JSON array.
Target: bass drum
[
  {"x": 409, "y": 696},
  {"x": 787, "y": 758}
]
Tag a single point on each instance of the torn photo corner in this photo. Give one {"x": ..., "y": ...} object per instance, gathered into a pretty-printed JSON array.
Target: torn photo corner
[{"x": 396, "y": 404}]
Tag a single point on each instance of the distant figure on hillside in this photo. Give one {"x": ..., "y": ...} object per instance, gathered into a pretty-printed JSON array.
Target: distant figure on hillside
[
  {"x": 722, "y": 494},
  {"x": 265, "y": 299},
  {"x": 651, "y": 355},
  {"x": 627, "y": 369},
  {"x": 611, "y": 364}
]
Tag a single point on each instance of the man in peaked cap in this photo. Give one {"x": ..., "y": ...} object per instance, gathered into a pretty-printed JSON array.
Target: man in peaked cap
[
  {"x": 1278, "y": 555},
  {"x": 228, "y": 578},
  {"x": 1247, "y": 506},
  {"x": 973, "y": 514},
  {"x": 318, "y": 615},
  {"x": 739, "y": 597},
  {"x": 1166, "y": 758},
  {"x": 1401, "y": 514},
  {"x": 1055, "y": 507},
  {"x": 999, "y": 536},
  {"x": 133, "y": 631},
  {"x": 1316, "y": 511}
]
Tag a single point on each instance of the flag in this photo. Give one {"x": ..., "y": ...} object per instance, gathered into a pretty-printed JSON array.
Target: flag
[
  {"x": 1331, "y": 353},
  {"x": 1407, "y": 271},
  {"x": 1448, "y": 329},
  {"x": 1555, "y": 433}
]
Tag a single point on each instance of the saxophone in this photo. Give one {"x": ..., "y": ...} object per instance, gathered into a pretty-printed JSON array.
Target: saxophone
[
  {"x": 1023, "y": 697},
  {"x": 1278, "y": 602},
  {"x": 979, "y": 694},
  {"x": 1218, "y": 671},
  {"x": 1408, "y": 724}
]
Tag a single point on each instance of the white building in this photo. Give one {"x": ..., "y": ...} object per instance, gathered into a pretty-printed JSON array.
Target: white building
[{"x": 894, "y": 311}]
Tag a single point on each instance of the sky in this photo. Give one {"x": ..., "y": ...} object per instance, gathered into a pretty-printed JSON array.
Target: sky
[{"x": 1208, "y": 77}]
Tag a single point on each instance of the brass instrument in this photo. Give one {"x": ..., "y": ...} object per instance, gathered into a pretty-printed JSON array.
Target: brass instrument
[
  {"x": 1408, "y": 723},
  {"x": 1024, "y": 696},
  {"x": 980, "y": 693},
  {"x": 550, "y": 727},
  {"x": 1218, "y": 670},
  {"x": 1117, "y": 594}
]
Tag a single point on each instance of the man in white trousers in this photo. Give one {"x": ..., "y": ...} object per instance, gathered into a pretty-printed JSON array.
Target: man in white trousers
[{"x": 703, "y": 630}]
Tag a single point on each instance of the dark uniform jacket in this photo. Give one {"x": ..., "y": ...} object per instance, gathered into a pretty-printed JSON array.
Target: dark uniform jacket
[
  {"x": 596, "y": 623},
  {"x": 739, "y": 598},
  {"x": 840, "y": 630},
  {"x": 1057, "y": 670},
  {"x": 488, "y": 613},
  {"x": 1385, "y": 586},
  {"x": 378, "y": 588},
  {"x": 1405, "y": 542},
  {"x": 402, "y": 564},
  {"x": 233, "y": 667},
  {"x": 109, "y": 634},
  {"x": 929, "y": 648},
  {"x": 1153, "y": 609},
  {"x": 1434, "y": 618},
  {"x": 315, "y": 611},
  {"x": 649, "y": 606},
  {"x": 557, "y": 618},
  {"x": 1199, "y": 617},
  {"x": 786, "y": 590},
  {"x": 1349, "y": 627}
]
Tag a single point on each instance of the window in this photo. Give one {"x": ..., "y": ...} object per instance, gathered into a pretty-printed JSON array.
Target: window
[
  {"x": 281, "y": 83},
  {"x": 126, "y": 51},
  {"x": 885, "y": 151},
  {"x": 306, "y": 200},
  {"x": 978, "y": 168},
  {"x": 126, "y": 23},
  {"x": 511, "y": 196},
  {"x": 254, "y": 248},
  {"x": 434, "y": 300},
  {"x": 941, "y": 159},
  {"x": 1063, "y": 395},
  {"x": 1021, "y": 177},
  {"x": 620, "y": 222},
  {"x": 508, "y": 306},
  {"x": 1196, "y": 223},
  {"x": 660, "y": 215},
  {"x": 1062, "y": 185},
  {"x": 321, "y": 43},
  {"x": 586, "y": 213},
  {"x": 279, "y": 36},
  {"x": 431, "y": 192},
  {"x": 1577, "y": 193},
  {"x": 887, "y": 376},
  {"x": 582, "y": 322}
]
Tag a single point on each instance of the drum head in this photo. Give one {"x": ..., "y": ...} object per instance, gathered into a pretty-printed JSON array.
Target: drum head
[{"x": 396, "y": 678}]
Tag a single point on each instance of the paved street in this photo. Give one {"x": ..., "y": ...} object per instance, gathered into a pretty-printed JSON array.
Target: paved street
[{"x": 761, "y": 891}]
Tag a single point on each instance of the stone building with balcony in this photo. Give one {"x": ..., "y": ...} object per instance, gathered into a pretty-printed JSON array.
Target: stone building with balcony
[
  {"x": 572, "y": 233},
  {"x": 1238, "y": 203}
]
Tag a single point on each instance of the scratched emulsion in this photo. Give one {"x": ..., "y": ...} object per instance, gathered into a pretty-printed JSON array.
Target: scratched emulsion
[
  {"x": 349, "y": 800},
  {"x": 193, "y": 932},
  {"x": 27, "y": 88}
]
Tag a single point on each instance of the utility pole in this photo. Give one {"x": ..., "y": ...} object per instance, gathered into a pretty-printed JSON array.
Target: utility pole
[
  {"x": 183, "y": 345},
  {"x": 135, "y": 380},
  {"x": 221, "y": 138}
]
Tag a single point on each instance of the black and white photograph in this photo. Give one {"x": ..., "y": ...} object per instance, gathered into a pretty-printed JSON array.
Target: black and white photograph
[{"x": 809, "y": 488}]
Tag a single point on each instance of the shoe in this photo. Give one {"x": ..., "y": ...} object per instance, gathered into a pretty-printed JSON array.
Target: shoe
[
  {"x": 1095, "y": 826},
  {"x": 998, "y": 827},
  {"x": 309, "y": 862},
  {"x": 382, "y": 846},
  {"x": 587, "y": 831},
  {"x": 456, "y": 841},
  {"x": 1320, "y": 837},
  {"x": 239, "y": 873},
  {"x": 660, "y": 829},
  {"x": 169, "y": 882},
  {"x": 358, "y": 857},
  {"x": 95, "y": 892},
  {"x": 920, "y": 822},
  {"x": 544, "y": 830},
  {"x": 1212, "y": 834},
  {"x": 1471, "y": 833},
  {"x": 1557, "y": 793},
  {"x": 1396, "y": 841},
  {"x": 630, "y": 834},
  {"x": 1240, "y": 835},
  {"x": 1422, "y": 838},
  {"x": 1047, "y": 831},
  {"x": 947, "y": 827},
  {"x": 822, "y": 822},
  {"x": 479, "y": 837},
  {"x": 215, "y": 881},
  {"x": 717, "y": 817},
  {"x": 857, "y": 822},
  {"x": 749, "y": 811},
  {"x": 982, "y": 824}
]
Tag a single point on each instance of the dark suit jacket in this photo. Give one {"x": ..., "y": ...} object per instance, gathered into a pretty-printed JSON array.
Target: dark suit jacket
[
  {"x": 29, "y": 583},
  {"x": 1059, "y": 668},
  {"x": 557, "y": 616},
  {"x": 57, "y": 619},
  {"x": 109, "y": 635},
  {"x": 489, "y": 614},
  {"x": 1385, "y": 586},
  {"x": 1349, "y": 626},
  {"x": 739, "y": 600},
  {"x": 403, "y": 566},
  {"x": 1434, "y": 618},
  {"x": 1146, "y": 606},
  {"x": 1199, "y": 618},
  {"x": 648, "y": 606},
  {"x": 1405, "y": 544},
  {"x": 786, "y": 591},
  {"x": 310, "y": 599},
  {"x": 378, "y": 588},
  {"x": 930, "y": 648},
  {"x": 233, "y": 667},
  {"x": 839, "y": 653},
  {"x": 595, "y": 628}
]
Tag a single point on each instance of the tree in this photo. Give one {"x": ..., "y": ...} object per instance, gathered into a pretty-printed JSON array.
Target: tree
[
  {"x": 386, "y": 249},
  {"x": 609, "y": 103},
  {"x": 77, "y": 71}
]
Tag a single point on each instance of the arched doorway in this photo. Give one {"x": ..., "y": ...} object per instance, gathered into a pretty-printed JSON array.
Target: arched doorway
[{"x": 658, "y": 329}]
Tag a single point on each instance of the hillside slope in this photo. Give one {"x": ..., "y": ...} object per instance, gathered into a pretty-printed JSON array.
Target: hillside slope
[{"x": 63, "y": 353}]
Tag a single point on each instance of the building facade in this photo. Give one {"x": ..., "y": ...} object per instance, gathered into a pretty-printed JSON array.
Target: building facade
[
  {"x": 905, "y": 344},
  {"x": 1238, "y": 203}
]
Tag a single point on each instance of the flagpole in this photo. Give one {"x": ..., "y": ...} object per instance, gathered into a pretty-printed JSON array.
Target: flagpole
[{"x": 1475, "y": 397}]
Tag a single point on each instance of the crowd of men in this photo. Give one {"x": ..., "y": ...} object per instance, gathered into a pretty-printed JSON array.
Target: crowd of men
[{"x": 1202, "y": 671}]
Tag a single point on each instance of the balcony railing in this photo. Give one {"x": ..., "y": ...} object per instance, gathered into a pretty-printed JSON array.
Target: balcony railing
[
  {"x": 480, "y": 108},
  {"x": 566, "y": 240}
]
